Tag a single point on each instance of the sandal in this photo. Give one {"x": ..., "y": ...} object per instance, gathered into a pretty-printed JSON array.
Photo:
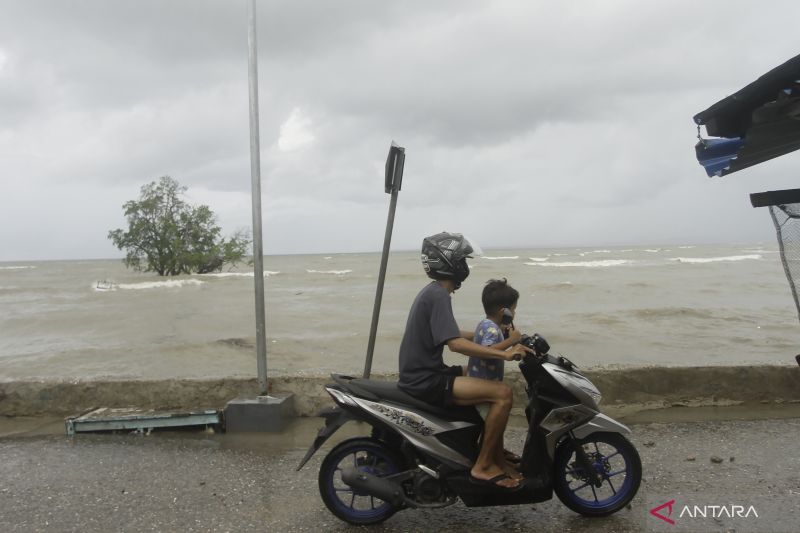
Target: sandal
[{"x": 493, "y": 481}]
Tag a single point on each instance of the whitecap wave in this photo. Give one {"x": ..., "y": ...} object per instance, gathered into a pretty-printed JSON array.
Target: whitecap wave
[
  {"x": 500, "y": 257},
  {"x": 586, "y": 264},
  {"x": 267, "y": 273},
  {"x": 716, "y": 259},
  {"x": 337, "y": 272},
  {"x": 539, "y": 259},
  {"x": 582, "y": 254},
  {"x": 168, "y": 284},
  {"x": 16, "y": 267}
]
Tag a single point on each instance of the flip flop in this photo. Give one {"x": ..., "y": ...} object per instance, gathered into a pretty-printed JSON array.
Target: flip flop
[
  {"x": 511, "y": 457},
  {"x": 493, "y": 481}
]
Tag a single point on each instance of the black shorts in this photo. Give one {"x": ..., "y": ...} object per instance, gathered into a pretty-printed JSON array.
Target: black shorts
[{"x": 440, "y": 391}]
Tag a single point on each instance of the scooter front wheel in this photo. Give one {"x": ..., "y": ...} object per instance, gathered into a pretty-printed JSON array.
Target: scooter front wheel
[
  {"x": 346, "y": 503},
  {"x": 614, "y": 458}
]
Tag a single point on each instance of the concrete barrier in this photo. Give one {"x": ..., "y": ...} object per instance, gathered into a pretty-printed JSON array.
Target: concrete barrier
[{"x": 625, "y": 390}]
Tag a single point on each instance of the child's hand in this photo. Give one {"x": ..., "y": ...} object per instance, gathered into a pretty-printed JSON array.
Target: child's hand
[
  {"x": 514, "y": 335},
  {"x": 518, "y": 352}
]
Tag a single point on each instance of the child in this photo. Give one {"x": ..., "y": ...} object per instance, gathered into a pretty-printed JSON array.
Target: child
[{"x": 497, "y": 329}]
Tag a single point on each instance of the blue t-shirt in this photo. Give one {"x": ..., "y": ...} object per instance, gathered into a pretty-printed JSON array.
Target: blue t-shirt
[{"x": 487, "y": 333}]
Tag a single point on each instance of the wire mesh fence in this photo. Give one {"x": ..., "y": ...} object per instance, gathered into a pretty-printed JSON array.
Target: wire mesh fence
[{"x": 787, "y": 223}]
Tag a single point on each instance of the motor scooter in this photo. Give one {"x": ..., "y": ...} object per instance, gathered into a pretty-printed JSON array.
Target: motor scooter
[{"x": 420, "y": 456}]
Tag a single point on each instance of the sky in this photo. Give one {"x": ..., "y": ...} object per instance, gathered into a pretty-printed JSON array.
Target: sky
[{"x": 525, "y": 124}]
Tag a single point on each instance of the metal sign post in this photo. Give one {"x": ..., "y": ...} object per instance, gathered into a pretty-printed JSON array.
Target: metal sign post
[
  {"x": 393, "y": 180},
  {"x": 255, "y": 177}
]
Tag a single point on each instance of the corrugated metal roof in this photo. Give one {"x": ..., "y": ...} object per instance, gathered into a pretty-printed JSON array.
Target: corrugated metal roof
[{"x": 755, "y": 124}]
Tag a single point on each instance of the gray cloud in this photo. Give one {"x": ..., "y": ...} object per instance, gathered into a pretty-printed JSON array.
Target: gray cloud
[{"x": 571, "y": 124}]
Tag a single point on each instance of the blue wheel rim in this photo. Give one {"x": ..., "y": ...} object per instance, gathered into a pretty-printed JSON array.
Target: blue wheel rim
[
  {"x": 615, "y": 464},
  {"x": 355, "y": 505}
]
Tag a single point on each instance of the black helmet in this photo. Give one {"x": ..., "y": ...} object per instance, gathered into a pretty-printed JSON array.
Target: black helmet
[{"x": 444, "y": 256}]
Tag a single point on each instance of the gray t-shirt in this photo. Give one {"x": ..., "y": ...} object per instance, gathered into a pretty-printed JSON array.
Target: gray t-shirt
[{"x": 430, "y": 325}]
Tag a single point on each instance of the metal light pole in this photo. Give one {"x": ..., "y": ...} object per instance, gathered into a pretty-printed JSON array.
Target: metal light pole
[
  {"x": 393, "y": 180},
  {"x": 255, "y": 177}
]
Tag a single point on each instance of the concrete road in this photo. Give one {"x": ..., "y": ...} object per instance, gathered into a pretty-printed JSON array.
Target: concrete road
[{"x": 206, "y": 482}]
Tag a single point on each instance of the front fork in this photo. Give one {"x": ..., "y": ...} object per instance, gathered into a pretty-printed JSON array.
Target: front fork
[{"x": 595, "y": 477}]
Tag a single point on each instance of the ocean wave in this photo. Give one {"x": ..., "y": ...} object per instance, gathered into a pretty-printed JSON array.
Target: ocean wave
[
  {"x": 22, "y": 267},
  {"x": 673, "y": 312},
  {"x": 586, "y": 264},
  {"x": 539, "y": 259},
  {"x": 267, "y": 273},
  {"x": 640, "y": 285},
  {"x": 559, "y": 286},
  {"x": 582, "y": 254},
  {"x": 500, "y": 257},
  {"x": 169, "y": 284},
  {"x": 337, "y": 272},
  {"x": 716, "y": 259},
  {"x": 603, "y": 319}
]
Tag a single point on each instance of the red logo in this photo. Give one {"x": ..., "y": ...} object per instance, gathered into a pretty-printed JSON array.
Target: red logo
[{"x": 655, "y": 512}]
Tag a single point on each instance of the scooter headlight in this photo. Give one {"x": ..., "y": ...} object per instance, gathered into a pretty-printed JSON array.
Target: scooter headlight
[
  {"x": 585, "y": 385},
  {"x": 595, "y": 394}
]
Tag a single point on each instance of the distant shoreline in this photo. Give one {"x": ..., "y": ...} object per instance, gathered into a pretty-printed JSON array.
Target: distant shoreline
[{"x": 411, "y": 250}]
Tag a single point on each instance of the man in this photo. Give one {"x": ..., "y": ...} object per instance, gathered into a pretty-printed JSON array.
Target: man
[{"x": 423, "y": 374}]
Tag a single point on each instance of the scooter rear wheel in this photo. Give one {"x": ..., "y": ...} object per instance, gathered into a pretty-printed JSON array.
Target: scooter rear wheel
[
  {"x": 370, "y": 456},
  {"x": 614, "y": 458}
]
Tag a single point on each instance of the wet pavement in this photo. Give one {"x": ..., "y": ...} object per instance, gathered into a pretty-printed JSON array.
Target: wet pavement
[{"x": 197, "y": 481}]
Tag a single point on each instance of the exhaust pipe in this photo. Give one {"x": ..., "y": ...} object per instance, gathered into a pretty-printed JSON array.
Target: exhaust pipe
[{"x": 364, "y": 483}]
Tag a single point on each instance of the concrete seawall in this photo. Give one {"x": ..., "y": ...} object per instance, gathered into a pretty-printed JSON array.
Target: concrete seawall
[{"x": 625, "y": 390}]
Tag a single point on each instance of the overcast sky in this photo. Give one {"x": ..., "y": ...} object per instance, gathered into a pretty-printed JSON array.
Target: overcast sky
[{"x": 530, "y": 123}]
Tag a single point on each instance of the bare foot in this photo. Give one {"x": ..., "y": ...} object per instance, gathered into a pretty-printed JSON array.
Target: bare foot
[{"x": 512, "y": 472}]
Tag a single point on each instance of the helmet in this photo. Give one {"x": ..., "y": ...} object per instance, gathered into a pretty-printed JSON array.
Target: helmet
[{"x": 444, "y": 256}]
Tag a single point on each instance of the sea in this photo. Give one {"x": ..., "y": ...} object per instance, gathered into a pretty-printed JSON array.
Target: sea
[{"x": 600, "y": 306}]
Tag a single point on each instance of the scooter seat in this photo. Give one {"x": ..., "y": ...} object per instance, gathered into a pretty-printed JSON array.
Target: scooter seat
[{"x": 389, "y": 391}]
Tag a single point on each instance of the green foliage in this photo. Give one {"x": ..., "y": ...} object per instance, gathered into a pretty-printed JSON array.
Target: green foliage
[{"x": 168, "y": 236}]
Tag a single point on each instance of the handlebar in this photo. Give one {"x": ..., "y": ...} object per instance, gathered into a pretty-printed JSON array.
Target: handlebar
[
  {"x": 540, "y": 347},
  {"x": 536, "y": 343}
]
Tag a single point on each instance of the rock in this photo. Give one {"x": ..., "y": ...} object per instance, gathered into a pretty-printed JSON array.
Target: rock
[
  {"x": 732, "y": 459},
  {"x": 649, "y": 443},
  {"x": 691, "y": 458},
  {"x": 715, "y": 459}
]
